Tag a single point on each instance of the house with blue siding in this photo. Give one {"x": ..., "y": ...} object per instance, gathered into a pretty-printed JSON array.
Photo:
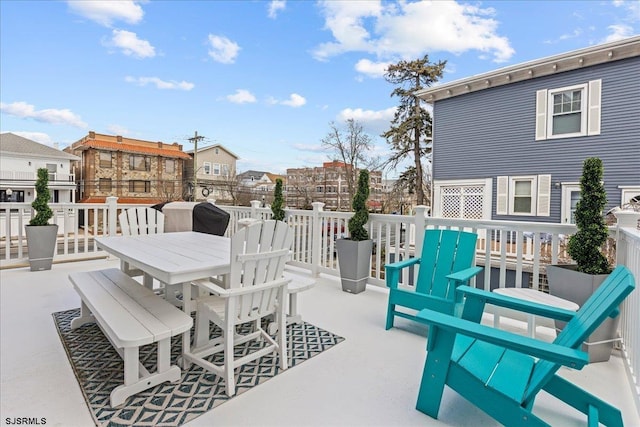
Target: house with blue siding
[{"x": 509, "y": 144}]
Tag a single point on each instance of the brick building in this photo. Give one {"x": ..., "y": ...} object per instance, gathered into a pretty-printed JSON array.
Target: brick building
[
  {"x": 136, "y": 171},
  {"x": 328, "y": 184}
]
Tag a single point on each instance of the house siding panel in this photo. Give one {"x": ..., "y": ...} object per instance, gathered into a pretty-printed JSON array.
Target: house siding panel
[{"x": 495, "y": 129}]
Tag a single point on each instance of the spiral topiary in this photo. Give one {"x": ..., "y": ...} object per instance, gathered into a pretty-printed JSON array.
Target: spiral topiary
[
  {"x": 278, "y": 201},
  {"x": 357, "y": 231},
  {"x": 41, "y": 202},
  {"x": 585, "y": 247}
]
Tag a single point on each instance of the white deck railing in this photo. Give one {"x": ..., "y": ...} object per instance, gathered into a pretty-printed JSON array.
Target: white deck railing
[{"x": 512, "y": 253}]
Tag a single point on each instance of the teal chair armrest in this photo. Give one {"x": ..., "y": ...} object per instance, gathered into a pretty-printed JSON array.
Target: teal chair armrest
[
  {"x": 392, "y": 271},
  {"x": 464, "y": 275},
  {"x": 399, "y": 265},
  {"x": 478, "y": 296},
  {"x": 547, "y": 351}
]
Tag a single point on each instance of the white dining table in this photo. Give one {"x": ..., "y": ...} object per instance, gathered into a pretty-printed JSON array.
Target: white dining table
[{"x": 173, "y": 258}]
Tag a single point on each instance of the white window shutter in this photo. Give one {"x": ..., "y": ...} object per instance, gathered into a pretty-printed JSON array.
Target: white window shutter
[
  {"x": 541, "y": 114},
  {"x": 502, "y": 196},
  {"x": 544, "y": 195},
  {"x": 593, "y": 119}
]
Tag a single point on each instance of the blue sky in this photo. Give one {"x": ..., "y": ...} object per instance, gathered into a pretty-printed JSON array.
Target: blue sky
[{"x": 262, "y": 78}]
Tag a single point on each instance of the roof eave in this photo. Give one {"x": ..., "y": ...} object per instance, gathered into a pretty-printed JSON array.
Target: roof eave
[{"x": 594, "y": 55}]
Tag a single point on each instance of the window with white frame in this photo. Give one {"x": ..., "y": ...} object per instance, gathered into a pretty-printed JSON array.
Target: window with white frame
[
  {"x": 206, "y": 168},
  {"x": 568, "y": 111},
  {"x": 630, "y": 195},
  {"x": 216, "y": 169},
  {"x": 523, "y": 195}
]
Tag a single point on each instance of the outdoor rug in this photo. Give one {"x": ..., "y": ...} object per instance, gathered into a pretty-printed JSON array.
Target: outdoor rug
[{"x": 99, "y": 369}]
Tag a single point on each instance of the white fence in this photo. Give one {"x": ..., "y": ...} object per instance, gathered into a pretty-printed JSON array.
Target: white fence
[{"x": 512, "y": 253}]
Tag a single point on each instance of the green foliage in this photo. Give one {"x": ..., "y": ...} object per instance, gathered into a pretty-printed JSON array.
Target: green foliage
[
  {"x": 359, "y": 204},
  {"x": 41, "y": 203},
  {"x": 585, "y": 247},
  {"x": 278, "y": 201},
  {"x": 410, "y": 132}
]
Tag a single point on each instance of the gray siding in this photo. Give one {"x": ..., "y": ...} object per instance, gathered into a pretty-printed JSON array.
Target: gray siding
[{"x": 489, "y": 133}]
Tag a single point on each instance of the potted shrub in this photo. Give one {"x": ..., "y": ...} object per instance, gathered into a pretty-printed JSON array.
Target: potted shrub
[
  {"x": 576, "y": 282},
  {"x": 278, "y": 202},
  {"x": 41, "y": 236},
  {"x": 354, "y": 252}
]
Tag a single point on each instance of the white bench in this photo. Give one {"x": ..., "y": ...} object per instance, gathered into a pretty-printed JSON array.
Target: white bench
[{"x": 130, "y": 315}]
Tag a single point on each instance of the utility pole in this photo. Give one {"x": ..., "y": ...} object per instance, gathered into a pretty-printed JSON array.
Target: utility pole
[{"x": 195, "y": 140}]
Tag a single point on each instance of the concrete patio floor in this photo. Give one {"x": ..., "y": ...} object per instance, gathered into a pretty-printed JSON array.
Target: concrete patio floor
[{"x": 370, "y": 379}]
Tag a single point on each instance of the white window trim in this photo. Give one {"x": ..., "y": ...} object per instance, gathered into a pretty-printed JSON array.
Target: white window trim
[
  {"x": 627, "y": 192},
  {"x": 590, "y": 111},
  {"x": 206, "y": 168},
  {"x": 583, "y": 111},
  {"x": 216, "y": 166},
  {"x": 540, "y": 195},
  {"x": 534, "y": 191},
  {"x": 567, "y": 189}
]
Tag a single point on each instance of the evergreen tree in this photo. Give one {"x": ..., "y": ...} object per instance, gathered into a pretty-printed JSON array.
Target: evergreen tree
[
  {"x": 278, "y": 202},
  {"x": 410, "y": 132}
]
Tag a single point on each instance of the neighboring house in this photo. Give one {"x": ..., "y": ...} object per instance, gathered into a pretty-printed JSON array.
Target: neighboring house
[
  {"x": 134, "y": 170},
  {"x": 328, "y": 184},
  {"x": 509, "y": 144},
  {"x": 20, "y": 159},
  {"x": 215, "y": 172},
  {"x": 257, "y": 185}
]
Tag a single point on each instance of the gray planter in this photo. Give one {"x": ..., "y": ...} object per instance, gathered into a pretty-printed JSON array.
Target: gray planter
[
  {"x": 355, "y": 264},
  {"x": 41, "y": 243},
  {"x": 566, "y": 283}
]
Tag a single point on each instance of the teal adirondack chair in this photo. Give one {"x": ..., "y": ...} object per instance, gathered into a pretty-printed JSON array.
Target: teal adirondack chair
[
  {"x": 501, "y": 372},
  {"x": 446, "y": 262}
]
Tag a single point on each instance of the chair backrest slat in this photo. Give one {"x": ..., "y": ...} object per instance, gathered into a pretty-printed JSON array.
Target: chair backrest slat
[
  {"x": 444, "y": 252},
  {"x": 141, "y": 220},
  {"x": 258, "y": 256},
  {"x": 604, "y": 301}
]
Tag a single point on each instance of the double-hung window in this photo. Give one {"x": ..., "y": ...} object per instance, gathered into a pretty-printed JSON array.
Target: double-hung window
[
  {"x": 207, "y": 168},
  {"x": 568, "y": 111},
  {"x": 523, "y": 195},
  {"x": 139, "y": 186},
  {"x": 139, "y": 162}
]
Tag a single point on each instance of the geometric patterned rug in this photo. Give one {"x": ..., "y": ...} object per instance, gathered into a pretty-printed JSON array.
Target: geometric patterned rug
[{"x": 99, "y": 369}]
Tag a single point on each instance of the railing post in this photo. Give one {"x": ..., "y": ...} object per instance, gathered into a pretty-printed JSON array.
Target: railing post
[
  {"x": 420, "y": 224},
  {"x": 316, "y": 232},
  {"x": 112, "y": 214},
  {"x": 255, "y": 204}
]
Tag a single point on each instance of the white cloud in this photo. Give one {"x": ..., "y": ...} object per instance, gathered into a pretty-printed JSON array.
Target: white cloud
[
  {"x": 372, "y": 69},
  {"x": 160, "y": 84},
  {"x": 223, "y": 50},
  {"x": 374, "y": 122},
  {"x": 242, "y": 96},
  {"x": 294, "y": 101},
  {"x": 129, "y": 43},
  {"x": 409, "y": 29},
  {"x": 106, "y": 12},
  {"x": 40, "y": 137},
  {"x": 48, "y": 115},
  {"x": 118, "y": 130},
  {"x": 618, "y": 32},
  {"x": 364, "y": 116},
  {"x": 276, "y": 6}
]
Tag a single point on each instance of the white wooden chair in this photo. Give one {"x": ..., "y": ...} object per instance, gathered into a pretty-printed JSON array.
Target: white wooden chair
[
  {"x": 255, "y": 286},
  {"x": 139, "y": 221}
]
